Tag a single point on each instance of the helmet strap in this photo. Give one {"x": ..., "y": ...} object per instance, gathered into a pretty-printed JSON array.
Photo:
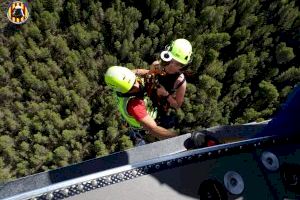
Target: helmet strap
[
  {"x": 140, "y": 93},
  {"x": 184, "y": 67}
]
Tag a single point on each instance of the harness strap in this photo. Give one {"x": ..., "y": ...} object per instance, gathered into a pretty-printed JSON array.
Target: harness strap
[
  {"x": 180, "y": 83},
  {"x": 178, "y": 86},
  {"x": 119, "y": 94}
]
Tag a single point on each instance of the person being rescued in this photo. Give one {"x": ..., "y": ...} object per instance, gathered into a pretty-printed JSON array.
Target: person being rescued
[
  {"x": 171, "y": 81},
  {"x": 133, "y": 102}
]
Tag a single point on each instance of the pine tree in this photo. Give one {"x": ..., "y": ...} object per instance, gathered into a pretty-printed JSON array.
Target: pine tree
[{"x": 284, "y": 54}]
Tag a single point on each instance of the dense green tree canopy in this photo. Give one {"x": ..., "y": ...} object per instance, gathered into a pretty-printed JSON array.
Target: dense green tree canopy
[{"x": 55, "y": 108}]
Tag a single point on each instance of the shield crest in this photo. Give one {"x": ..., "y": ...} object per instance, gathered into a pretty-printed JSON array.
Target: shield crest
[{"x": 17, "y": 12}]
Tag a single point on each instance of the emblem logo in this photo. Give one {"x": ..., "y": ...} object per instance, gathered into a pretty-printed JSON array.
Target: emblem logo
[{"x": 17, "y": 12}]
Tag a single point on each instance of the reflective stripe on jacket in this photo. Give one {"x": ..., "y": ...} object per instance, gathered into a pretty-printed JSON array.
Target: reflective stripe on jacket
[{"x": 122, "y": 105}]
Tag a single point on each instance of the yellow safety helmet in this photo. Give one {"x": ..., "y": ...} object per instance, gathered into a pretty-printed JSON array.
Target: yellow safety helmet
[
  {"x": 121, "y": 79},
  {"x": 179, "y": 50}
]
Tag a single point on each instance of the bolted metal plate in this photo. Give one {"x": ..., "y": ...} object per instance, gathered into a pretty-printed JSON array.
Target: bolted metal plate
[
  {"x": 234, "y": 182},
  {"x": 270, "y": 161}
]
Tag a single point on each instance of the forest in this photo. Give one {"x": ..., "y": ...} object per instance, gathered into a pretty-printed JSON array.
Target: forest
[{"x": 56, "y": 110}]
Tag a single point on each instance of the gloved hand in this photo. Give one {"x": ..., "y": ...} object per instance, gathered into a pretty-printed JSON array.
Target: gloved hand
[
  {"x": 201, "y": 139},
  {"x": 161, "y": 91}
]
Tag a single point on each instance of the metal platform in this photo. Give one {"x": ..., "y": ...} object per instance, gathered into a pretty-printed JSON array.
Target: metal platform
[{"x": 249, "y": 169}]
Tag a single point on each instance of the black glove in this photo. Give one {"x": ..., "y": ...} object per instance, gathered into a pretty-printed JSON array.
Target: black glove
[{"x": 200, "y": 140}]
